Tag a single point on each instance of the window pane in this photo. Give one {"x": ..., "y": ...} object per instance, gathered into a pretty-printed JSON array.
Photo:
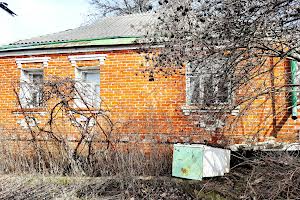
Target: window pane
[
  {"x": 208, "y": 90},
  {"x": 32, "y": 88},
  {"x": 223, "y": 92},
  {"x": 37, "y": 98},
  {"x": 195, "y": 90},
  {"x": 92, "y": 77},
  {"x": 37, "y": 90},
  {"x": 37, "y": 78},
  {"x": 90, "y": 87},
  {"x": 97, "y": 89},
  {"x": 97, "y": 97}
]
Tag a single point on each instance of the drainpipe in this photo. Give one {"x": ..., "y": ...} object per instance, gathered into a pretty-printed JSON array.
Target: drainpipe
[{"x": 293, "y": 64}]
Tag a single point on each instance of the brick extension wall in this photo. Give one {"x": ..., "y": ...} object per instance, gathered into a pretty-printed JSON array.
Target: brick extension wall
[{"x": 151, "y": 111}]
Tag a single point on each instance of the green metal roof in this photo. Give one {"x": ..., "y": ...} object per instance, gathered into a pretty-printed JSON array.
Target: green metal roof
[{"x": 73, "y": 43}]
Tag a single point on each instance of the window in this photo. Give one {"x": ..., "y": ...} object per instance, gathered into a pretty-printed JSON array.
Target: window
[
  {"x": 88, "y": 82},
  {"x": 206, "y": 87},
  {"x": 31, "y": 88}
]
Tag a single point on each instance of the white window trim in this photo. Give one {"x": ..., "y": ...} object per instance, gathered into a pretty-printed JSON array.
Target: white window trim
[
  {"x": 189, "y": 108},
  {"x": 74, "y": 59},
  {"x": 43, "y": 60},
  {"x": 80, "y": 70},
  {"x": 24, "y": 71}
]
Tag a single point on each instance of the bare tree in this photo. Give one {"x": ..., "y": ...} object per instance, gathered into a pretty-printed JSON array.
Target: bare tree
[
  {"x": 213, "y": 28},
  {"x": 122, "y": 7},
  {"x": 225, "y": 46}
]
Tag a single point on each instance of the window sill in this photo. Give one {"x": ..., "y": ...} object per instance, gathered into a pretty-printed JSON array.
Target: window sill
[
  {"x": 189, "y": 109},
  {"x": 85, "y": 110},
  {"x": 40, "y": 110}
]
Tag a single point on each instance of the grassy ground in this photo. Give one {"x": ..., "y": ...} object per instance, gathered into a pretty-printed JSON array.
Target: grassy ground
[
  {"x": 260, "y": 177},
  {"x": 50, "y": 187},
  {"x": 134, "y": 175}
]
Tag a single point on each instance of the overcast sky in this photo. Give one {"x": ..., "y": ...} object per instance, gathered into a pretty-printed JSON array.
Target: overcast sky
[{"x": 38, "y": 17}]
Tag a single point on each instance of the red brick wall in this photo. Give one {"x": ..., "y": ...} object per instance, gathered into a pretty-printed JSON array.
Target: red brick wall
[
  {"x": 151, "y": 111},
  {"x": 268, "y": 115}
]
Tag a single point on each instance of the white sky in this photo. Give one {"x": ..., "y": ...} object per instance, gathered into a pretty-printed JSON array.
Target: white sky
[{"x": 39, "y": 17}]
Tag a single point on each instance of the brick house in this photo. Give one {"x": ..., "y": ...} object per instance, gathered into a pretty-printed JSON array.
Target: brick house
[{"x": 158, "y": 110}]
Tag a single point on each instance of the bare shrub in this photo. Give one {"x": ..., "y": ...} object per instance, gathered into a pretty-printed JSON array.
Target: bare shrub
[
  {"x": 72, "y": 136},
  {"x": 272, "y": 175}
]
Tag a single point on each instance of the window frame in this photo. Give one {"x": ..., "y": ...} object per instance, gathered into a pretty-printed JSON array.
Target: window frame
[
  {"x": 202, "y": 76},
  {"x": 79, "y": 78},
  {"x": 26, "y": 96}
]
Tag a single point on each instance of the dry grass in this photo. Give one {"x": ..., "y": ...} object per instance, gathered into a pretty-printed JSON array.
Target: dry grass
[
  {"x": 132, "y": 174},
  {"x": 41, "y": 187},
  {"x": 23, "y": 159},
  {"x": 107, "y": 174}
]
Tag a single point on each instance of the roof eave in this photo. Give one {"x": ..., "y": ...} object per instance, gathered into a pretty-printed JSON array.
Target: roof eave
[
  {"x": 73, "y": 43},
  {"x": 69, "y": 50}
]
